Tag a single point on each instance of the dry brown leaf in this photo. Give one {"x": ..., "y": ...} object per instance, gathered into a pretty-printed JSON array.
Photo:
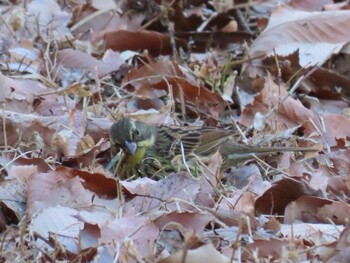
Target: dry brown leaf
[
  {"x": 89, "y": 236},
  {"x": 329, "y": 84},
  {"x": 341, "y": 256},
  {"x": 155, "y": 43},
  {"x": 28, "y": 127},
  {"x": 305, "y": 209},
  {"x": 275, "y": 199},
  {"x": 278, "y": 110},
  {"x": 168, "y": 76},
  {"x": 24, "y": 57},
  {"x": 343, "y": 241},
  {"x": 223, "y": 40},
  {"x": 239, "y": 201},
  {"x": 321, "y": 234},
  {"x": 93, "y": 23},
  {"x": 204, "y": 254},
  {"x": 60, "y": 221},
  {"x": 18, "y": 91},
  {"x": 241, "y": 176},
  {"x": 71, "y": 188},
  {"x": 337, "y": 212},
  {"x": 189, "y": 221},
  {"x": 274, "y": 249},
  {"x": 234, "y": 218},
  {"x": 176, "y": 192},
  {"x": 317, "y": 35},
  {"x": 338, "y": 251},
  {"x": 335, "y": 127},
  {"x": 338, "y": 184},
  {"x": 133, "y": 237},
  {"x": 290, "y": 112},
  {"x": 44, "y": 190},
  {"x": 209, "y": 181},
  {"x": 70, "y": 58},
  {"x": 96, "y": 215},
  {"x": 49, "y": 13},
  {"x": 272, "y": 226},
  {"x": 12, "y": 202}
]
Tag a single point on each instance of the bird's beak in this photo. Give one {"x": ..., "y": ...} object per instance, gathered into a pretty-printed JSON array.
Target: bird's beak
[{"x": 131, "y": 146}]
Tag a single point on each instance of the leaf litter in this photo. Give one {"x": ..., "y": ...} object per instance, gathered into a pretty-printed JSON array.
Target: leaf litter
[{"x": 276, "y": 74}]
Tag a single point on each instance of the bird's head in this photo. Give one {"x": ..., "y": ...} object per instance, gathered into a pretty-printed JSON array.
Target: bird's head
[{"x": 131, "y": 135}]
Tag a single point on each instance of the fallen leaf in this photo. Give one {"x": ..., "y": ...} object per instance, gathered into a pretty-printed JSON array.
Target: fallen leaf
[{"x": 203, "y": 254}]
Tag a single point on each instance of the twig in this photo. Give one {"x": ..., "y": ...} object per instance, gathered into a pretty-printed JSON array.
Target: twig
[{"x": 184, "y": 159}]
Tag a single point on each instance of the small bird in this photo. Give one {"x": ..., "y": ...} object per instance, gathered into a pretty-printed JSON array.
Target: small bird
[{"x": 147, "y": 149}]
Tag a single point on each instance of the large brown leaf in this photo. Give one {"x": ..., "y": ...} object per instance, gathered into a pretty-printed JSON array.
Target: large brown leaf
[{"x": 316, "y": 34}]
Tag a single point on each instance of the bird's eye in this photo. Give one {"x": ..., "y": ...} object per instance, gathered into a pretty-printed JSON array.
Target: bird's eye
[{"x": 135, "y": 134}]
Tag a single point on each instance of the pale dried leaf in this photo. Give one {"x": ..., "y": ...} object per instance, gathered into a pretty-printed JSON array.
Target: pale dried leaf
[{"x": 316, "y": 35}]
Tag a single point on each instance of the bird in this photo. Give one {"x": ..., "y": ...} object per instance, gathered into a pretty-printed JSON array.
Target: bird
[{"x": 147, "y": 149}]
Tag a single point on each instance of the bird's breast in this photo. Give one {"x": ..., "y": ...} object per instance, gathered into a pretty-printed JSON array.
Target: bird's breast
[{"x": 137, "y": 158}]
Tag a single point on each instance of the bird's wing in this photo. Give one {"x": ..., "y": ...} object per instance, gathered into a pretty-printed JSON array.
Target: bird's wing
[
  {"x": 199, "y": 140},
  {"x": 211, "y": 139},
  {"x": 171, "y": 139}
]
